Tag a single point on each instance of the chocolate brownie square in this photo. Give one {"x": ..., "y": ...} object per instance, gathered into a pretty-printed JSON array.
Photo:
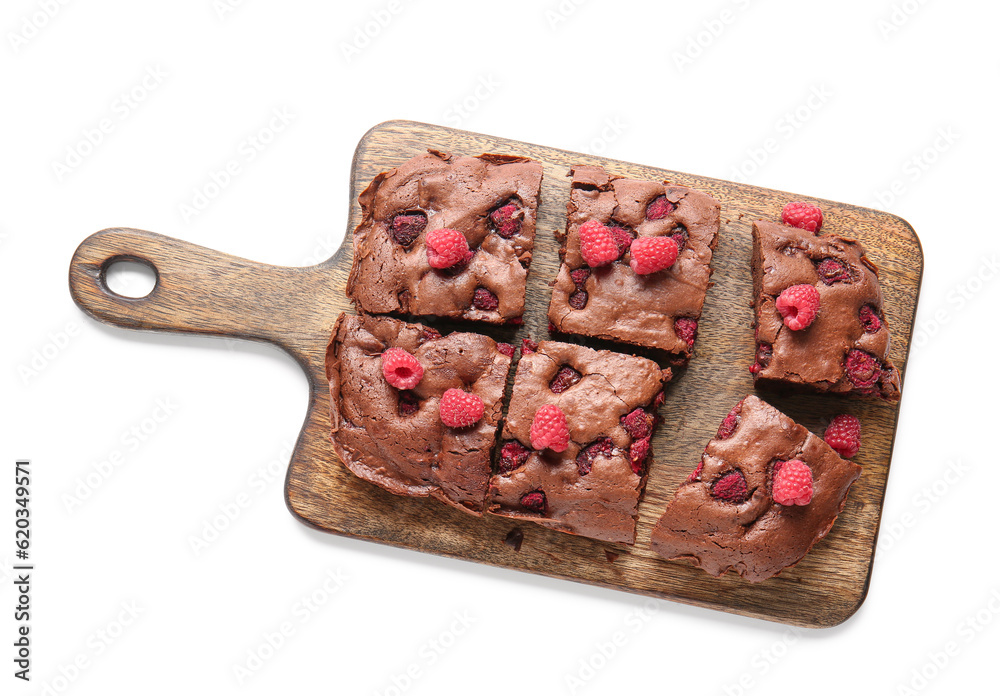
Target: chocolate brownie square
[
  {"x": 491, "y": 200},
  {"x": 659, "y": 310},
  {"x": 394, "y": 437},
  {"x": 593, "y": 486},
  {"x": 725, "y": 516},
  {"x": 845, "y": 348}
]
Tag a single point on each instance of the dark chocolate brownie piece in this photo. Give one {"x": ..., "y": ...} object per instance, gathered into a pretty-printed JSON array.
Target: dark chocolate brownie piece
[
  {"x": 725, "y": 517},
  {"x": 660, "y": 310},
  {"x": 491, "y": 200},
  {"x": 395, "y": 438},
  {"x": 845, "y": 350},
  {"x": 593, "y": 487}
]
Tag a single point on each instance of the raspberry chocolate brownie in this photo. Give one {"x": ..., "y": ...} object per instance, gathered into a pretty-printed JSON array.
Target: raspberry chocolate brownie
[
  {"x": 819, "y": 322},
  {"x": 636, "y": 261},
  {"x": 765, "y": 492},
  {"x": 447, "y": 236},
  {"x": 413, "y": 411},
  {"x": 576, "y": 441}
]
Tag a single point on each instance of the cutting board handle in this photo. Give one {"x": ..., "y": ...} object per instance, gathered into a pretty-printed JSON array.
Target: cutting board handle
[{"x": 197, "y": 290}]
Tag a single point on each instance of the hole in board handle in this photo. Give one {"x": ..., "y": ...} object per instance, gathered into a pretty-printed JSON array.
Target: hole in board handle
[{"x": 129, "y": 277}]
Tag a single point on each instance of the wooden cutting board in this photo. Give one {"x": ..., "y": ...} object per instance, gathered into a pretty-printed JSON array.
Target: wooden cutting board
[{"x": 206, "y": 292}]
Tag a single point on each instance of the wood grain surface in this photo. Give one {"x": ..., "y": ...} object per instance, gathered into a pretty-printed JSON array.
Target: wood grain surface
[{"x": 202, "y": 291}]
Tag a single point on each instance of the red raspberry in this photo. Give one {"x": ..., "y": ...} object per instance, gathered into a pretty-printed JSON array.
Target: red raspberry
[
  {"x": 408, "y": 403},
  {"x": 507, "y": 220},
  {"x": 652, "y": 254},
  {"x": 429, "y": 334},
  {"x": 792, "y": 483},
  {"x": 596, "y": 244},
  {"x": 506, "y": 349},
  {"x": 579, "y": 277},
  {"x": 680, "y": 237},
  {"x": 805, "y": 216},
  {"x": 406, "y": 227},
  {"x": 460, "y": 409},
  {"x": 564, "y": 379},
  {"x": 446, "y": 248},
  {"x": 401, "y": 369},
  {"x": 732, "y": 487},
  {"x": 578, "y": 300},
  {"x": 637, "y": 455},
  {"x": 534, "y": 501},
  {"x": 513, "y": 455},
  {"x": 638, "y": 424},
  {"x": 863, "y": 369},
  {"x": 528, "y": 346},
  {"x": 730, "y": 424},
  {"x": 485, "y": 300},
  {"x": 833, "y": 271},
  {"x": 622, "y": 238},
  {"x": 549, "y": 429},
  {"x": 659, "y": 208},
  {"x": 762, "y": 358},
  {"x": 696, "y": 474},
  {"x": 844, "y": 435},
  {"x": 869, "y": 319},
  {"x": 686, "y": 330},
  {"x": 585, "y": 459},
  {"x": 798, "y": 306}
]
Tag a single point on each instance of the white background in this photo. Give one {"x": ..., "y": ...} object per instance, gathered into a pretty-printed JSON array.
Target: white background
[{"x": 908, "y": 99}]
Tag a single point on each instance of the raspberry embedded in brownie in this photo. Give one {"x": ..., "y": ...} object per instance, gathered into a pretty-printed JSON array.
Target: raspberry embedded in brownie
[
  {"x": 725, "y": 516},
  {"x": 397, "y": 438},
  {"x": 844, "y": 346},
  {"x": 591, "y": 483},
  {"x": 654, "y": 300},
  {"x": 491, "y": 201}
]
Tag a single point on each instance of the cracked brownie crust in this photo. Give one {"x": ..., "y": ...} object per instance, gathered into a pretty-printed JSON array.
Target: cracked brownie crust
[
  {"x": 492, "y": 200},
  {"x": 846, "y": 348},
  {"x": 613, "y": 302},
  {"x": 395, "y": 439},
  {"x": 594, "y": 486},
  {"x": 756, "y": 537}
]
